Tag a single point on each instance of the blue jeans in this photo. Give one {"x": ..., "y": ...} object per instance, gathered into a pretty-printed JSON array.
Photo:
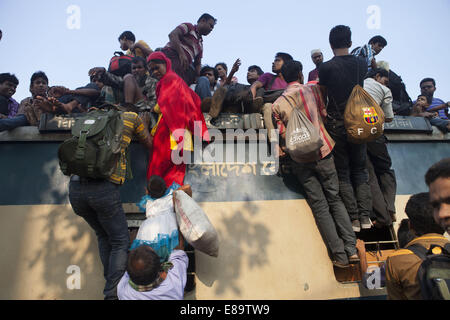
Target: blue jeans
[
  {"x": 441, "y": 124},
  {"x": 350, "y": 161},
  {"x": 321, "y": 185},
  {"x": 203, "y": 87},
  {"x": 12, "y": 123},
  {"x": 382, "y": 181},
  {"x": 98, "y": 202}
]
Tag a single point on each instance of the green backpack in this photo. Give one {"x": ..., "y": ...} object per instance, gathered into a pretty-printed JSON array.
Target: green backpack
[{"x": 94, "y": 149}]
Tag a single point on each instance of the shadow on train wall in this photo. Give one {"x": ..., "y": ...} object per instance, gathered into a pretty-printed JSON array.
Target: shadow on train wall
[
  {"x": 53, "y": 253},
  {"x": 65, "y": 256},
  {"x": 48, "y": 251},
  {"x": 243, "y": 244},
  {"x": 32, "y": 175}
]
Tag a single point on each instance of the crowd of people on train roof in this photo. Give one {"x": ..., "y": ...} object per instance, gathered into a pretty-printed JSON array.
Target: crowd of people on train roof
[
  {"x": 185, "y": 49},
  {"x": 350, "y": 187}
]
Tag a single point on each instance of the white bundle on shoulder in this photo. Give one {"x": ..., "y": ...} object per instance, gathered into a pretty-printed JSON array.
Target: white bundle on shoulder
[{"x": 195, "y": 225}]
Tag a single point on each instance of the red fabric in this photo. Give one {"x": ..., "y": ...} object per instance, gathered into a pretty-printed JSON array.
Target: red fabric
[
  {"x": 160, "y": 161},
  {"x": 180, "y": 108}
]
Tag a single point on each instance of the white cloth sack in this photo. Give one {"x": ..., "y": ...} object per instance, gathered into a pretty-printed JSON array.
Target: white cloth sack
[
  {"x": 160, "y": 229},
  {"x": 195, "y": 225}
]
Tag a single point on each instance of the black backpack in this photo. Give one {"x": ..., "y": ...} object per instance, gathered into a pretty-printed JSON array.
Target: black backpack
[
  {"x": 95, "y": 146},
  {"x": 402, "y": 103},
  {"x": 434, "y": 272},
  {"x": 271, "y": 95},
  {"x": 120, "y": 64}
]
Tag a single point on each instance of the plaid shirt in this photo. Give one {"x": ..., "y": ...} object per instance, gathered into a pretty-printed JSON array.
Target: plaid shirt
[
  {"x": 149, "y": 91},
  {"x": 191, "y": 42},
  {"x": 365, "y": 51},
  {"x": 308, "y": 99},
  {"x": 13, "y": 108},
  {"x": 33, "y": 114},
  {"x": 133, "y": 125}
]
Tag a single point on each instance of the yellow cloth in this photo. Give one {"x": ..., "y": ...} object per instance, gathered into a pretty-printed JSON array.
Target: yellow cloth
[
  {"x": 138, "y": 52},
  {"x": 132, "y": 125},
  {"x": 188, "y": 144}
]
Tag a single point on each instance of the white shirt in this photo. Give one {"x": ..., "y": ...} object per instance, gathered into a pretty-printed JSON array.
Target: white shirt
[
  {"x": 172, "y": 288},
  {"x": 381, "y": 94}
]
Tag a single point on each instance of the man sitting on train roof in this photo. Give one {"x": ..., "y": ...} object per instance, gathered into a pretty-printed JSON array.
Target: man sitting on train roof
[
  {"x": 78, "y": 100},
  {"x": 239, "y": 98},
  {"x": 273, "y": 84},
  {"x": 421, "y": 105},
  {"x": 238, "y": 92},
  {"x": 214, "y": 104},
  {"x": 147, "y": 85},
  {"x": 128, "y": 43},
  {"x": 57, "y": 99},
  {"x": 428, "y": 87},
  {"x": 222, "y": 69},
  {"x": 122, "y": 90},
  {"x": 207, "y": 88},
  {"x": 10, "y": 117},
  {"x": 31, "y": 106},
  {"x": 207, "y": 83},
  {"x": 233, "y": 97},
  {"x": 253, "y": 73}
]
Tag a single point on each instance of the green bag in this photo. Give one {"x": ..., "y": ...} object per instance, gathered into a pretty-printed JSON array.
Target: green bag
[{"x": 94, "y": 149}]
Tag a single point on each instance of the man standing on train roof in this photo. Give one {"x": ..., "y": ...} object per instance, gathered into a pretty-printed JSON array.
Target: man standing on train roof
[
  {"x": 317, "y": 58},
  {"x": 370, "y": 50},
  {"x": 185, "y": 47}
]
